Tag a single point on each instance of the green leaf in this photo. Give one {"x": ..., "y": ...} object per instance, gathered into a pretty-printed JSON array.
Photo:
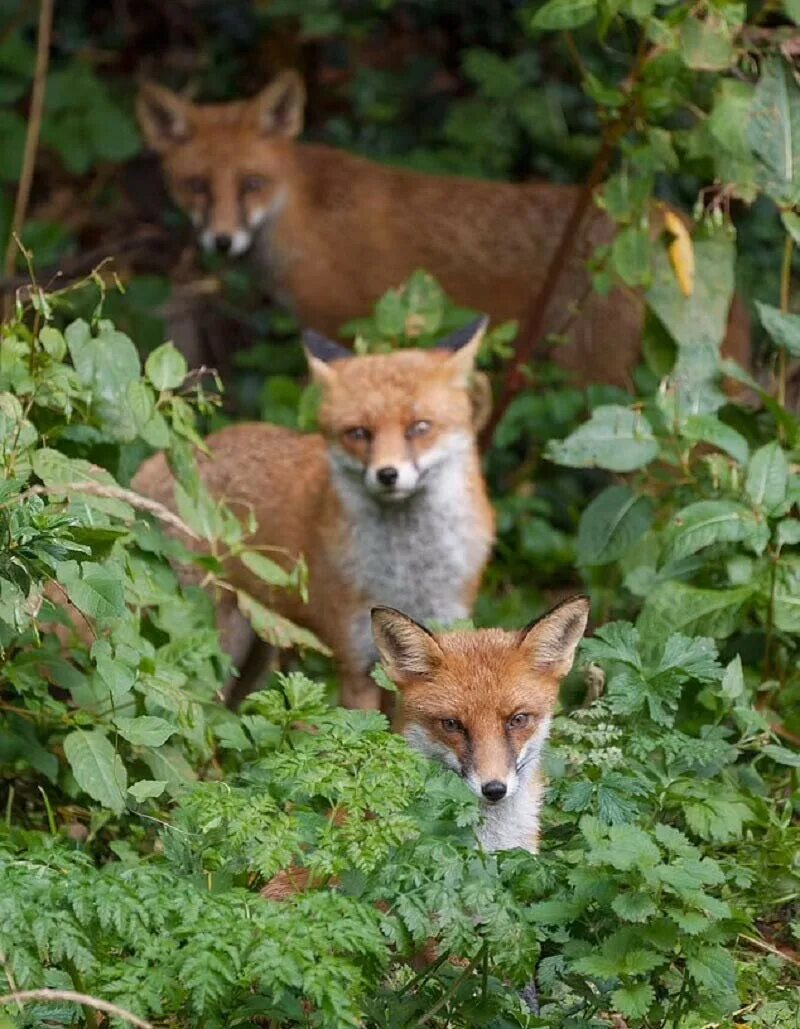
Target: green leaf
[
  {"x": 713, "y": 521},
  {"x": 767, "y": 476},
  {"x": 146, "y": 730},
  {"x": 628, "y": 847},
  {"x": 147, "y": 789},
  {"x": 630, "y": 254},
  {"x": 274, "y": 628},
  {"x": 616, "y": 438},
  {"x": 774, "y": 131},
  {"x": 56, "y": 469},
  {"x": 611, "y": 524},
  {"x": 634, "y": 907},
  {"x": 166, "y": 367},
  {"x": 784, "y": 329},
  {"x": 706, "y": 43},
  {"x": 707, "y": 428},
  {"x": 564, "y": 14},
  {"x": 788, "y": 532},
  {"x": 633, "y": 1001},
  {"x": 782, "y": 755},
  {"x": 97, "y": 768},
  {"x": 97, "y": 592},
  {"x": 266, "y": 569},
  {"x": 714, "y": 968},
  {"x": 677, "y": 606}
]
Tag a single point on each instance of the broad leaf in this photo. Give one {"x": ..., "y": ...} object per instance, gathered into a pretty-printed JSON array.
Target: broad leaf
[
  {"x": 767, "y": 476},
  {"x": 784, "y": 329},
  {"x": 611, "y": 524},
  {"x": 774, "y": 131},
  {"x": 713, "y": 521},
  {"x": 97, "y": 768},
  {"x": 616, "y": 438},
  {"x": 146, "y": 730}
]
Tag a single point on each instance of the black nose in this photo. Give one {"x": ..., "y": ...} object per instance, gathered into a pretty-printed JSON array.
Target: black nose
[
  {"x": 223, "y": 243},
  {"x": 386, "y": 476},
  {"x": 494, "y": 790}
]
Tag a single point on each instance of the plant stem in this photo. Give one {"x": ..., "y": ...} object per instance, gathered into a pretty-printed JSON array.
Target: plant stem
[
  {"x": 448, "y": 993},
  {"x": 786, "y": 281},
  {"x": 32, "y": 136}
]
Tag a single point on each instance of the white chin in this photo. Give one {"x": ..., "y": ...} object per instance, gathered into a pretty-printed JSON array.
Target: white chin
[{"x": 393, "y": 496}]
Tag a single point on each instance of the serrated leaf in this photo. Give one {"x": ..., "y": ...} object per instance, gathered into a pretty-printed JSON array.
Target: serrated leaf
[
  {"x": 56, "y": 469},
  {"x": 274, "y": 628},
  {"x": 97, "y": 592},
  {"x": 677, "y": 605},
  {"x": 616, "y": 438},
  {"x": 633, "y": 1001},
  {"x": 166, "y": 367},
  {"x": 146, "y": 730},
  {"x": 634, "y": 907},
  {"x": 767, "y": 476},
  {"x": 97, "y": 768},
  {"x": 714, "y": 968},
  {"x": 713, "y": 521},
  {"x": 611, "y": 524},
  {"x": 147, "y": 789},
  {"x": 627, "y": 847},
  {"x": 706, "y": 43}
]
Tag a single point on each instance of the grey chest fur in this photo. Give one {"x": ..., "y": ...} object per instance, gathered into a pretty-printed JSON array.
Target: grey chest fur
[{"x": 419, "y": 556}]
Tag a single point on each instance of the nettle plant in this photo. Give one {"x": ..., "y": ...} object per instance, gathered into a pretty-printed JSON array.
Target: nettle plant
[{"x": 110, "y": 671}]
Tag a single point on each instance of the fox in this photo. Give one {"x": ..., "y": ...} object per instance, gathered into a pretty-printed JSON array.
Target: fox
[
  {"x": 330, "y": 232},
  {"x": 387, "y": 502},
  {"x": 481, "y": 702}
]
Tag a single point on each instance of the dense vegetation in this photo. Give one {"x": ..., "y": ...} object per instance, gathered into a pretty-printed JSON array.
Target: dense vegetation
[{"x": 140, "y": 818}]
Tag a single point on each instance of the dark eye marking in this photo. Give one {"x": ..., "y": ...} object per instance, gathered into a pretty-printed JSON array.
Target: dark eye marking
[
  {"x": 452, "y": 725},
  {"x": 520, "y": 720},
  {"x": 359, "y": 433},
  {"x": 253, "y": 183},
  {"x": 418, "y": 428},
  {"x": 196, "y": 184}
]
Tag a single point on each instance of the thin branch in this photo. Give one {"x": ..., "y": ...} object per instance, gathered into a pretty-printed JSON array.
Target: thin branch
[
  {"x": 99, "y": 489},
  {"x": 534, "y": 319},
  {"x": 788, "y": 955},
  {"x": 32, "y": 136},
  {"x": 76, "y": 998}
]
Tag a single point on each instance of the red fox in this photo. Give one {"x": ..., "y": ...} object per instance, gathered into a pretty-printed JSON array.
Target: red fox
[
  {"x": 331, "y": 232},
  {"x": 481, "y": 702},
  {"x": 388, "y": 504}
]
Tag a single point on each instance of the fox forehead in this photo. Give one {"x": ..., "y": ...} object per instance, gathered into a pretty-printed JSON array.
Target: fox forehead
[
  {"x": 401, "y": 386},
  {"x": 482, "y": 680},
  {"x": 224, "y": 145}
]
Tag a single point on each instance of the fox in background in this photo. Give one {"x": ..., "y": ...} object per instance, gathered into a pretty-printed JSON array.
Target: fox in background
[
  {"x": 330, "y": 232},
  {"x": 387, "y": 505}
]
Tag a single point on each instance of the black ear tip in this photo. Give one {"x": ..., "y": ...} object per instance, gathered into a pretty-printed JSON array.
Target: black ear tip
[
  {"x": 458, "y": 339},
  {"x": 322, "y": 348}
]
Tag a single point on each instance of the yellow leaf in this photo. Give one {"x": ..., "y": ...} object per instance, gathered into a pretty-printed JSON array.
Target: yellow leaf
[{"x": 681, "y": 252}]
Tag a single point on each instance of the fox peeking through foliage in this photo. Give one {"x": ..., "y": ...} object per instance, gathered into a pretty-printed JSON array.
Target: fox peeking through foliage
[
  {"x": 331, "y": 232},
  {"x": 481, "y": 702},
  {"x": 387, "y": 505}
]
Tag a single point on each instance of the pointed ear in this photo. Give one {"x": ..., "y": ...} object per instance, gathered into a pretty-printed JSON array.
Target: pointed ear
[
  {"x": 406, "y": 648},
  {"x": 551, "y": 641},
  {"x": 279, "y": 106},
  {"x": 320, "y": 353},
  {"x": 164, "y": 117},
  {"x": 463, "y": 344},
  {"x": 481, "y": 400}
]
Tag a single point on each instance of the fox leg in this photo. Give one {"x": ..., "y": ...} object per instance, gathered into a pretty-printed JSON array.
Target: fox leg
[
  {"x": 251, "y": 656},
  {"x": 358, "y": 689}
]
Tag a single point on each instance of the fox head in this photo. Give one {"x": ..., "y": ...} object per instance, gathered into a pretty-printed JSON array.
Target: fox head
[
  {"x": 225, "y": 164},
  {"x": 392, "y": 419},
  {"x": 480, "y": 702}
]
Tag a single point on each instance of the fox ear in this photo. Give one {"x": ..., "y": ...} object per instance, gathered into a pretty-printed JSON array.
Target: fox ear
[
  {"x": 551, "y": 641},
  {"x": 463, "y": 345},
  {"x": 320, "y": 352},
  {"x": 279, "y": 106},
  {"x": 406, "y": 648},
  {"x": 480, "y": 398},
  {"x": 164, "y": 117}
]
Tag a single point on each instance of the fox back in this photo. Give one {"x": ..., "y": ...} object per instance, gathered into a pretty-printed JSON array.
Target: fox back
[
  {"x": 481, "y": 703},
  {"x": 387, "y": 504},
  {"x": 331, "y": 232}
]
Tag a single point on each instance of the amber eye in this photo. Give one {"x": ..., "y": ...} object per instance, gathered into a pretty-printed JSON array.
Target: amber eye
[
  {"x": 253, "y": 183},
  {"x": 359, "y": 433},
  {"x": 518, "y": 721},
  {"x": 452, "y": 725},
  {"x": 196, "y": 184},
  {"x": 418, "y": 428}
]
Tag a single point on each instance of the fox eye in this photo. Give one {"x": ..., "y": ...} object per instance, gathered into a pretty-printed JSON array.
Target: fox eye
[
  {"x": 518, "y": 721},
  {"x": 452, "y": 725},
  {"x": 196, "y": 184},
  {"x": 253, "y": 183},
  {"x": 359, "y": 433},
  {"x": 418, "y": 428}
]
